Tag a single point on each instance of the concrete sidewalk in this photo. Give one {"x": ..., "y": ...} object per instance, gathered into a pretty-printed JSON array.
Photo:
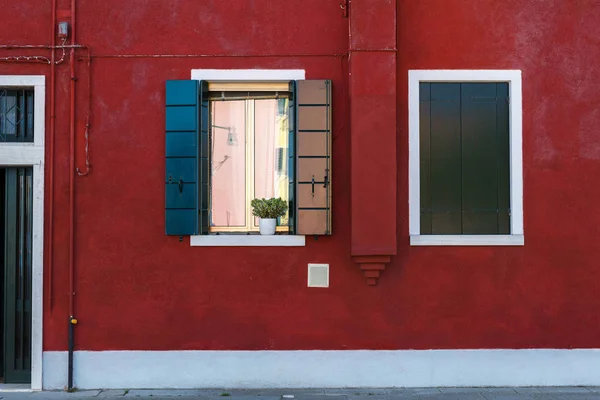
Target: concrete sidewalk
[{"x": 564, "y": 393}]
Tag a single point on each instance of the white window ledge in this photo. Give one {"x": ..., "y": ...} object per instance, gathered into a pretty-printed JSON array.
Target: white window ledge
[
  {"x": 467, "y": 240},
  {"x": 247, "y": 240}
]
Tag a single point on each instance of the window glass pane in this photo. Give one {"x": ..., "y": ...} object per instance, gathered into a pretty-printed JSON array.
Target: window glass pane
[
  {"x": 271, "y": 150},
  {"x": 228, "y": 163},
  {"x": 9, "y": 113},
  {"x": 29, "y": 115},
  {"x": 16, "y": 115}
]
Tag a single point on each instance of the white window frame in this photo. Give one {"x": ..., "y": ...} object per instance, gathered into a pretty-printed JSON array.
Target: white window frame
[
  {"x": 513, "y": 78},
  {"x": 270, "y": 75},
  {"x": 32, "y": 155},
  {"x": 27, "y": 153}
]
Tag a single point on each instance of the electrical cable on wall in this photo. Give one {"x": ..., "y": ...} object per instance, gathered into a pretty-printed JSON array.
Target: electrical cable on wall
[{"x": 36, "y": 58}]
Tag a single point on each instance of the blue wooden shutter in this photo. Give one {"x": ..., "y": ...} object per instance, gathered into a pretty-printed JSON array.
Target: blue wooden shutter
[
  {"x": 313, "y": 157},
  {"x": 182, "y": 131}
]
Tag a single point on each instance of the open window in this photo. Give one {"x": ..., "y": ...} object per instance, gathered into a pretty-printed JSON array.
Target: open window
[
  {"x": 248, "y": 151},
  {"x": 230, "y": 142}
]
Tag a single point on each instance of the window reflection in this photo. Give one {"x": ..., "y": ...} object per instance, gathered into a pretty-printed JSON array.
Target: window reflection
[
  {"x": 249, "y": 152},
  {"x": 228, "y": 163},
  {"x": 270, "y": 151}
]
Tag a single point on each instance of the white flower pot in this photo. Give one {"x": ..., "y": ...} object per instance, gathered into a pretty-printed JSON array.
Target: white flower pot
[{"x": 267, "y": 226}]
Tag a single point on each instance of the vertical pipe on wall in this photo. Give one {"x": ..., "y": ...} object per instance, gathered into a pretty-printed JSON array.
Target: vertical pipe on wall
[
  {"x": 51, "y": 157},
  {"x": 72, "y": 320},
  {"x": 71, "y": 345},
  {"x": 72, "y": 160},
  {"x": 86, "y": 135}
]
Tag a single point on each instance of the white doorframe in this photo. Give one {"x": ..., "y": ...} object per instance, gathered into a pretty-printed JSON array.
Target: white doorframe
[{"x": 32, "y": 155}]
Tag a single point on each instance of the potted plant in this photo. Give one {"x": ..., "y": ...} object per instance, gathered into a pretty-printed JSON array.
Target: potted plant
[{"x": 268, "y": 210}]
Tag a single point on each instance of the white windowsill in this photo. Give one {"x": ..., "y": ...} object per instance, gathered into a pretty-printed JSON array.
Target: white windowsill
[
  {"x": 248, "y": 240},
  {"x": 467, "y": 240}
]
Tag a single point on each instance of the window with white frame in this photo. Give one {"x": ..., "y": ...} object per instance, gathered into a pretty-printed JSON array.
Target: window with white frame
[
  {"x": 236, "y": 135},
  {"x": 465, "y": 157}
]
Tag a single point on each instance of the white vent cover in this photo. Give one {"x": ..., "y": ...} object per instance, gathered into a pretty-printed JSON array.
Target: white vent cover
[{"x": 318, "y": 275}]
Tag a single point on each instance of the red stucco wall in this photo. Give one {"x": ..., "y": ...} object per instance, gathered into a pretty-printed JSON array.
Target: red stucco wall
[{"x": 139, "y": 289}]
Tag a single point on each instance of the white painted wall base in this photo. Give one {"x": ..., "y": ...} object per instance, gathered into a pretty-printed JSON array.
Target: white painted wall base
[{"x": 308, "y": 369}]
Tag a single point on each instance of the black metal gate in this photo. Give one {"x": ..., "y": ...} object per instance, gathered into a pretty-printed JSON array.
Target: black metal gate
[{"x": 17, "y": 274}]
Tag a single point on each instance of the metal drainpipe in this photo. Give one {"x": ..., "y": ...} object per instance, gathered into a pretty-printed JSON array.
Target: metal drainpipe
[
  {"x": 72, "y": 320},
  {"x": 51, "y": 161}
]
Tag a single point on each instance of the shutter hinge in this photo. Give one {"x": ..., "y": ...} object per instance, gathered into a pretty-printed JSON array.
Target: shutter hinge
[
  {"x": 344, "y": 7},
  {"x": 508, "y": 99}
]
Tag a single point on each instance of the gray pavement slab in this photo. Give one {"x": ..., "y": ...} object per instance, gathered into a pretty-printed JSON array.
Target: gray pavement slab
[
  {"x": 357, "y": 392},
  {"x": 527, "y": 390},
  {"x": 163, "y": 393},
  {"x": 111, "y": 393},
  {"x": 565, "y": 390},
  {"x": 506, "y": 393}
]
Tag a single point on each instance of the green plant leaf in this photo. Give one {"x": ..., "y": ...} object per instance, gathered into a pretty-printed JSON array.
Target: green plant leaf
[{"x": 269, "y": 208}]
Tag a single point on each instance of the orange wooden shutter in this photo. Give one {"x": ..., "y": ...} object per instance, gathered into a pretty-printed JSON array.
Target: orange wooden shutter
[{"x": 313, "y": 157}]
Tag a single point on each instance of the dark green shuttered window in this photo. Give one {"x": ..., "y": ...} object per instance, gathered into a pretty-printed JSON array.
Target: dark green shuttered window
[{"x": 464, "y": 158}]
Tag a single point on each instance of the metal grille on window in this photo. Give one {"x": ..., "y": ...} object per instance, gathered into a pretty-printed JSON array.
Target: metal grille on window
[{"x": 16, "y": 115}]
